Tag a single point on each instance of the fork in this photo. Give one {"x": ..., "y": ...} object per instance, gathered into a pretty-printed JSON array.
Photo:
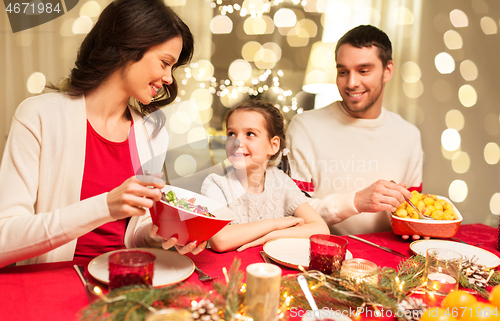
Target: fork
[{"x": 203, "y": 277}]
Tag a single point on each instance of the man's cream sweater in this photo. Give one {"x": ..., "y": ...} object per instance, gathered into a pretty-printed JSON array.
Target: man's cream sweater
[{"x": 41, "y": 215}]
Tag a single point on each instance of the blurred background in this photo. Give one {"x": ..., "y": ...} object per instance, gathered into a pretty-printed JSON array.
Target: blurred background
[{"x": 446, "y": 54}]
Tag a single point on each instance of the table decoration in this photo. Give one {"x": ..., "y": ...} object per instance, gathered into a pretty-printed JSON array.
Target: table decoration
[
  {"x": 442, "y": 270},
  {"x": 131, "y": 267},
  {"x": 170, "y": 315},
  {"x": 327, "y": 252},
  {"x": 262, "y": 291},
  {"x": 361, "y": 270},
  {"x": 228, "y": 296}
]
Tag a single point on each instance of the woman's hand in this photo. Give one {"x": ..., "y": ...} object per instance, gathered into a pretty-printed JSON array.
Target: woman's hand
[
  {"x": 134, "y": 195},
  {"x": 166, "y": 244}
]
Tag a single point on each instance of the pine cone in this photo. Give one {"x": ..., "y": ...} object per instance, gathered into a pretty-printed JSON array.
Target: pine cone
[
  {"x": 476, "y": 274},
  {"x": 205, "y": 310},
  {"x": 412, "y": 309}
]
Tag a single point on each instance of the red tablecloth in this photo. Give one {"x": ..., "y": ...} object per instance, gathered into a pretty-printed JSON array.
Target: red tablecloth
[{"x": 53, "y": 291}]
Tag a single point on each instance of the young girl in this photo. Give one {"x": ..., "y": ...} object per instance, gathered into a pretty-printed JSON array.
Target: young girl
[{"x": 267, "y": 203}]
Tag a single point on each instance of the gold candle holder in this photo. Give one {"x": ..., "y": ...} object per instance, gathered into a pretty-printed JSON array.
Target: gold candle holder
[
  {"x": 170, "y": 314},
  {"x": 263, "y": 291},
  {"x": 359, "y": 269}
]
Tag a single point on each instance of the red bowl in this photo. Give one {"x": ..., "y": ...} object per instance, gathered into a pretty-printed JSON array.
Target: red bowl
[
  {"x": 424, "y": 227},
  {"x": 188, "y": 226}
]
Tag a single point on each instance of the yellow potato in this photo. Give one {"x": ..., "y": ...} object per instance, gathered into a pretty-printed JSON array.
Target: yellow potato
[
  {"x": 449, "y": 215},
  {"x": 437, "y": 215},
  {"x": 429, "y": 201},
  {"x": 448, "y": 206},
  {"x": 401, "y": 212},
  {"x": 429, "y": 205},
  {"x": 417, "y": 195}
]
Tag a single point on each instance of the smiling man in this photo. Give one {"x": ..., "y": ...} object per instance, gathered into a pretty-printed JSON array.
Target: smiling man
[{"x": 347, "y": 154}]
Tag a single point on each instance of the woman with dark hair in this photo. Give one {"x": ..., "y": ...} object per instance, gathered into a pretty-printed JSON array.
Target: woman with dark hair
[{"x": 74, "y": 176}]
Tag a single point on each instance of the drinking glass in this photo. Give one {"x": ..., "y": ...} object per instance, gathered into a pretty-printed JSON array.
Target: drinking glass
[
  {"x": 442, "y": 270},
  {"x": 130, "y": 267},
  {"x": 327, "y": 252}
]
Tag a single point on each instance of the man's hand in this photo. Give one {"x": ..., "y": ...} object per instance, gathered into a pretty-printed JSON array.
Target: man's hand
[
  {"x": 381, "y": 196},
  {"x": 414, "y": 237}
]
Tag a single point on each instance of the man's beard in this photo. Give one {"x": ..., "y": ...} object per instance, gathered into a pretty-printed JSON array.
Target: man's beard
[{"x": 369, "y": 104}]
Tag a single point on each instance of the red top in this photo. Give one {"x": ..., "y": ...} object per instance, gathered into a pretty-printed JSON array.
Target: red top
[{"x": 107, "y": 165}]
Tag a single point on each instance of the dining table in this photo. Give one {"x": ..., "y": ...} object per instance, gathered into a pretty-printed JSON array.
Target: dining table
[{"x": 54, "y": 291}]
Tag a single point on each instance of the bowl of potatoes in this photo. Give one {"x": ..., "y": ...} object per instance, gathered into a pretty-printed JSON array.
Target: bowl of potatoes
[{"x": 439, "y": 217}]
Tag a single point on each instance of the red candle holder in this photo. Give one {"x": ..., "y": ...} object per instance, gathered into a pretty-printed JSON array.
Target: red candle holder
[
  {"x": 327, "y": 252},
  {"x": 130, "y": 268}
]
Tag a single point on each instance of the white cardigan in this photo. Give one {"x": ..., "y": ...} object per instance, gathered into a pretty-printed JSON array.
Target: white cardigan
[{"x": 41, "y": 215}]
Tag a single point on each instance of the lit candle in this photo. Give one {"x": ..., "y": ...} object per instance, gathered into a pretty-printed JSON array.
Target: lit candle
[
  {"x": 263, "y": 291},
  {"x": 441, "y": 282}
]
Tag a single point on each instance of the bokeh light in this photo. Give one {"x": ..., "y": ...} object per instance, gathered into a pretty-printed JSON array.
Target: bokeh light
[
  {"x": 414, "y": 89},
  {"x": 455, "y": 119},
  {"x": 468, "y": 70},
  {"x": 403, "y": 16},
  {"x": 297, "y": 37},
  {"x": 285, "y": 17},
  {"x": 365, "y": 14},
  {"x": 410, "y": 72},
  {"x": 197, "y": 138},
  {"x": 445, "y": 63},
  {"x": 185, "y": 165},
  {"x": 467, "y": 95},
  {"x": 489, "y": 26},
  {"x": 221, "y": 25},
  {"x": 449, "y": 154},
  {"x": 308, "y": 26},
  {"x": 203, "y": 98},
  {"x": 36, "y": 83},
  {"x": 459, "y": 19},
  {"x": 453, "y": 40},
  {"x": 492, "y": 153},
  {"x": 240, "y": 70},
  {"x": 82, "y": 25},
  {"x": 202, "y": 70},
  {"x": 495, "y": 204},
  {"x": 458, "y": 191},
  {"x": 460, "y": 162},
  {"x": 450, "y": 139},
  {"x": 179, "y": 122},
  {"x": 258, "y": 25},
  {"x": 90, "y": 9},
  {"x": 250, "y": 49},
  {"x": 254, "y": 7}
]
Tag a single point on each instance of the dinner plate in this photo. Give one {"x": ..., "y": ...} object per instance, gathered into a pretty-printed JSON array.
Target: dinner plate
[
  {"x": 170, "y": 267},
  {"x": 291, "y": 252},
  {"x": 484, "y": 257}
]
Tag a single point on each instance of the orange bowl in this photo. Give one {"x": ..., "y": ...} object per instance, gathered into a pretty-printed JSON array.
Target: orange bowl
[
  {"x": 425, "y": 227},
  {"x": 187, "y": 226}
]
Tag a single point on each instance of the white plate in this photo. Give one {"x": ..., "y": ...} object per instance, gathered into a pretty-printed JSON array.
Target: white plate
[
  {"x": 170, "y": 267},
  {"x": 485, "y": 258},
  {"x": 291, "y": 252}
]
